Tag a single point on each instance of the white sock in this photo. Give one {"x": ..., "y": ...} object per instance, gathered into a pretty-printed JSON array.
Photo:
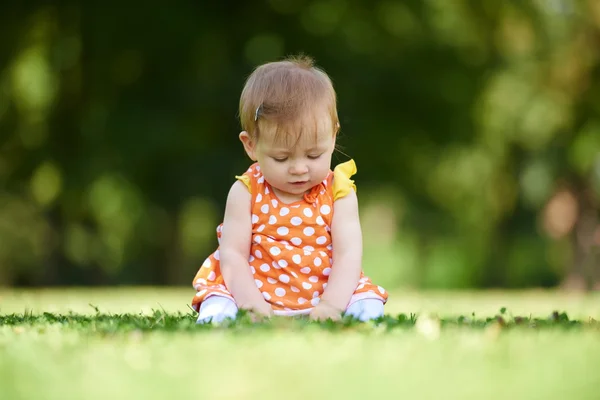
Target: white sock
[
  {"x": 366, "y": 309},
  {"x": 215, "y": 309}
]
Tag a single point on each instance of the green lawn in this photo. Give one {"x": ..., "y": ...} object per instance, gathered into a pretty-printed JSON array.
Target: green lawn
[{"x": 143, "y": 344}]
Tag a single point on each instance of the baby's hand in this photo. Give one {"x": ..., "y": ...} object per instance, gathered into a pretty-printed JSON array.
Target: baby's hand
[
  {"x": 324, "y": 311},
  {"x": 259, "y": 311}
]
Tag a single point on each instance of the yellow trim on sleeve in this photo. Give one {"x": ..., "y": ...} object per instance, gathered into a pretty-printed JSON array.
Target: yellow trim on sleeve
[
  {"x": 342, "y": 184},
  {"x": 245, "y": 179}
]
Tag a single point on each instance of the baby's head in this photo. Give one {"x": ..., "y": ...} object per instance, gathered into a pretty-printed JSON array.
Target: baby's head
[{"x": 289, "y": 119}]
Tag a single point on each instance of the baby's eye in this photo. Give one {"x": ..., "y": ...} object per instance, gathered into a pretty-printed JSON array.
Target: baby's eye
[
  {"x": 281, "y": 159},
  {"x": 314, "y": 157}
]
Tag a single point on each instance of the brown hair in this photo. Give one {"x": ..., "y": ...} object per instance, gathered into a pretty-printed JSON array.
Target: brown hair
[{"x": 285, "y": 93}]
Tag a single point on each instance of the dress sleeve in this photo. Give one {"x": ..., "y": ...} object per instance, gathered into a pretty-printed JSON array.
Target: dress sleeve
[
  {"x": 342, "y": 184},
  {"x": 245, "y": 179}
]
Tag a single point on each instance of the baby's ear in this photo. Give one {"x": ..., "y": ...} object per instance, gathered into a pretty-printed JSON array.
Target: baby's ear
[{"x": 249, "y": 145}]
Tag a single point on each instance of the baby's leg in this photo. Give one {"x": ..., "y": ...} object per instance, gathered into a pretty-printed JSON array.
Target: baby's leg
[
  {"x": 366, "y": 309},
  {"x": 216, "y": 309}
]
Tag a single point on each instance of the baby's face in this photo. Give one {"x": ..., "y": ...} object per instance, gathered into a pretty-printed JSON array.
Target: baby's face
[{"x": 295, "y": 167}]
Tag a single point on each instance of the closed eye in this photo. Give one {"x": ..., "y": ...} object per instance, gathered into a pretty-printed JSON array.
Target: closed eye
[
  {"x": 314, "y": 157},
  {"x": 279, "y": 159}
]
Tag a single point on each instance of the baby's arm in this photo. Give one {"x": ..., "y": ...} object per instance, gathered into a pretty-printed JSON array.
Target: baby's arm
[
  {"x": 347, "y": 253},
  {"x": 234, "y": 251}
]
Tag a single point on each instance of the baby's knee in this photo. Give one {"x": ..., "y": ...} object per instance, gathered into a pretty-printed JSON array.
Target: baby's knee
[
  {"x": 365, "y": 309},
  {"x": 216, "y": 309}
]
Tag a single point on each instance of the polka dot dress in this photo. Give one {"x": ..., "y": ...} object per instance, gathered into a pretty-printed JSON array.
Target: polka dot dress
[{"x": 291, "y": 250}]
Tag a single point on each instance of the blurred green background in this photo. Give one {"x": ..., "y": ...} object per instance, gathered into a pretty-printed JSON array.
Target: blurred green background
[{"x": 475, "y": 125}]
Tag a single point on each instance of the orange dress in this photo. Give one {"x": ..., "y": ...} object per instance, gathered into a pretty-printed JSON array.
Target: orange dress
[{"x": 291, "y": 248}]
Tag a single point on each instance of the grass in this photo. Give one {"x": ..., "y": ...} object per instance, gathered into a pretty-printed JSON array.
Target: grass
[{"x": 133, "y": 343}]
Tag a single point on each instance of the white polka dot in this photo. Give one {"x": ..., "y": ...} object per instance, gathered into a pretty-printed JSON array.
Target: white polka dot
[
  {"x": 296, "y": 258},
  {"x": 296, "y": 221},
  {"x": 315, "y": 294},
  {"x": 257, "y": 239},
  {"x": 320, "y": 220},
  {"x": 279, "y": 303},
  {"x": 305, "y": 270},
  {"x": 318, "y": 261},
  {"x": 308, "y": 212},
  {"x": 329, "y": 247},
  {"x": 261, "y": 180},
  {"x": 251, "y": 258},
  {"x": 272, "y": 219},
  {"x": 327, "y": 271},
  {"x": 266, "y": 295},
  {"x": 295, "y": 275},
  {"x": 258, "y": 198},
  {"x": 254, "y": 218},
  {"x": 309, "y": 231},
  {"x": 252, "y": 270},
  {"x": 280, "y": 292},
  {"x": 274, "y": 203},
  {"x": 364, "y": 279},
  {"x": 201, "y": 293},
  {"x": 212, "y": 276},
  {"x": 310, "y": 249},
  {"x": 258, "y": 167},
  {"x": 259, "y": 283},
  {"x": 271, "y": 280},
  {"x": 282, "y": 230},
  {"x": 284, "y": 211},
  {"x": 270, "y": 239},
  {"x": 206, "y": 263},
  {"x": 324, "y": 285},
  {"x": 315, "y": 301},
  {"x": 325, "y": 209},
  {"x": 381, "y": 290},
  {"x": 362, "y": 285},
  {"x": 258, "y": 254},
  {"x": 265, "y": 267},
  {"x": 288, "y": 247},
  {"x": 321, "y": 240},
  {"x": 301, "y": 300},
  {"x": 267, "y": 191},
  {"x": 296, "y": 241},
  {"x": 313, "y": 279},
  {"x": 201, "y": 281},
  {"x": 275, "y": 250},
  {"x": 275, "y": 265},
  {"x": 323, "y": 254},
  {"x": 282, "y": 263},
  {"x": 260, "y": 228},
  {"x": 306, "y": 252},
  {"x": 295, "y": 289},
  {"x": 217, "y": 255},
  {"x": 306, "y": 285},
  {"x": 264, "y": 208},
  {"x": 284, "y": 278}
]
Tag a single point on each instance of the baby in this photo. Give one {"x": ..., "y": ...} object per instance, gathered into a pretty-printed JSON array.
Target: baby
[{"x": 290, "y": 242}]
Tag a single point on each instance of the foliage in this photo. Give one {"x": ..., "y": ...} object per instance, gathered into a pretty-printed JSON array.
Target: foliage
[{"x": 474, "y": 124}]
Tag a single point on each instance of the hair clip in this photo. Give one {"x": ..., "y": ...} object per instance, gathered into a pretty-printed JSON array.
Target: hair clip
[{"x": 256, "y": 113}]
